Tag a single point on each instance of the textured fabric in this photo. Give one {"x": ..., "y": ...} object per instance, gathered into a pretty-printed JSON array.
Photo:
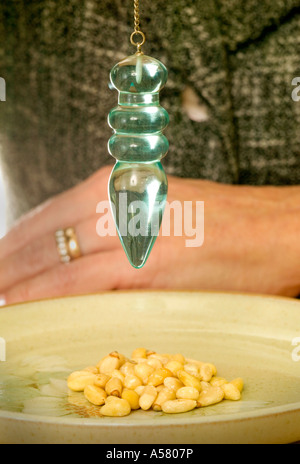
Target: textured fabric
[{"x": 238, "y": 57}]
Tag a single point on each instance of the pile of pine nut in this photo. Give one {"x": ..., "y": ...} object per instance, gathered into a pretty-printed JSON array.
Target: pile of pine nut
[{"x": 162, "y": 382}]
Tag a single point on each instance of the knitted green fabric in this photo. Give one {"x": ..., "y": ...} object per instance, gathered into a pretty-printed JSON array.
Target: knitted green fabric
[{"x": 238, "y": 57}]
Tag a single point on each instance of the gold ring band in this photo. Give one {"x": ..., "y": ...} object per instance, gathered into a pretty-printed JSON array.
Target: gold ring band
[{"x": 67, "y": 245}]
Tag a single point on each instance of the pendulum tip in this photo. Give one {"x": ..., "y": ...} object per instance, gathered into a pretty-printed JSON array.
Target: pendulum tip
[
  {"x": 137, "y": 252},
  {"x": 138, "y": 194},
  {"x": 138, "y": 266}
]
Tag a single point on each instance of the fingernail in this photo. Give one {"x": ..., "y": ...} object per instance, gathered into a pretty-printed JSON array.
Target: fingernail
[{"x": 2, "y": 300}]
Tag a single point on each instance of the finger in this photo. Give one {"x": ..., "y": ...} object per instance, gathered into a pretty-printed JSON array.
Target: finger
[
  {"x": 63, "y": 211},
  {"x": 91, "y": 274},
  {"x": 42, "y": 254}
]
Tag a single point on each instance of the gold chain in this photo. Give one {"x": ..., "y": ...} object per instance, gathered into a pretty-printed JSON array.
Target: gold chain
[
  {"x": 137, "y": 29},
  {"x": 137, "y": 16}
]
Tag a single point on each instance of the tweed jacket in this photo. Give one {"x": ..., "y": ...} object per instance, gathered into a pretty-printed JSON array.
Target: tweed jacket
[{"x": 237, "y": 60}]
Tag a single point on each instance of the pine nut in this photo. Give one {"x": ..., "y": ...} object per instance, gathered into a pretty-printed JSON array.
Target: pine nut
[
  {"x": 167, "y": 356},
  {"x": 174, "y": 367},
  {"x": 149, "y": 352},
  {"x": 239, "y": 384},
  {"x": 218, "y": 381},
  {"x": 213, "y": 368},
  {"x": 206, "y": 386},
  {"x": 99, "y": 364},
  {"x": 194, "y": 361},
  {"x": 163, "y": 396},
  {"x": 143, "y": 372},
  {"x": 115, "y": 407},
  {"x": 139, "y": 353},
  {"x": 160, "y": 388},
  {"x": 140, "y": 360},
  {"x": 101, "y": 380},
  {"x": 187, "y": 393},
  {"x": 158, "y": 377},
  {"x": 132, "y": 397},
  {"x": 114, "y": 387},
  {"x": 189, "y": 380},
  {"x": 179, "y": 358},
  {"x": 127, "y": 368},
  {"x": 95, "y": 395},
  {"x": 231, "y": 392},
  {"x": 123, "y": 359},
  {"x": 140, "y": 390},
  {"x": 214, "y": 395},
  {"x": 155, "y": 363},
  {"x": 163, "y": 359},
  {"x": 92, "y": 370},
  {"x": 193, "y": 369},
  {"x": 148, "y": 398},
  {"x": 132, "y": 381},
  {"x": 119, "y": 356},
  {"x": 79, "y": 380},
  {"x": 206, "y": 372},
  {"x": 178, "y": 406},
  {"x": 109, "y": 364},
  {"x": 118, "y": 375},
  {"x": 172, "y": 383}
]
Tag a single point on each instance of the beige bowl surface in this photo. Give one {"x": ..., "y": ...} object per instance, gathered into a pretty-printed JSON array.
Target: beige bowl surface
[{"x": 245, "y": 336}]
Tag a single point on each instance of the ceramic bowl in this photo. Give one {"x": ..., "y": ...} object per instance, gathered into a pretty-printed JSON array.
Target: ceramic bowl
[{"x": 253, "y": 337}]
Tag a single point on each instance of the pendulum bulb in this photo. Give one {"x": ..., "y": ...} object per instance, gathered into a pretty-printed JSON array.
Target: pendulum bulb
[{"x": 138, "y": 184}]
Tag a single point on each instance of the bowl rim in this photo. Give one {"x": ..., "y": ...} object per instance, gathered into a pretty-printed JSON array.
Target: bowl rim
[
  {"x": 100, "y": 422},
  {"x": 158, "y": 291}
]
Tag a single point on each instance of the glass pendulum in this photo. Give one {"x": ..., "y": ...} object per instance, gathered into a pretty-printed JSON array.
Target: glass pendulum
[{"x": 138, "y": 184}]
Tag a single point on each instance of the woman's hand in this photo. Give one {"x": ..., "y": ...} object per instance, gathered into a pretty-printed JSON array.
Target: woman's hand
[{"x": 251, "y": 245}]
